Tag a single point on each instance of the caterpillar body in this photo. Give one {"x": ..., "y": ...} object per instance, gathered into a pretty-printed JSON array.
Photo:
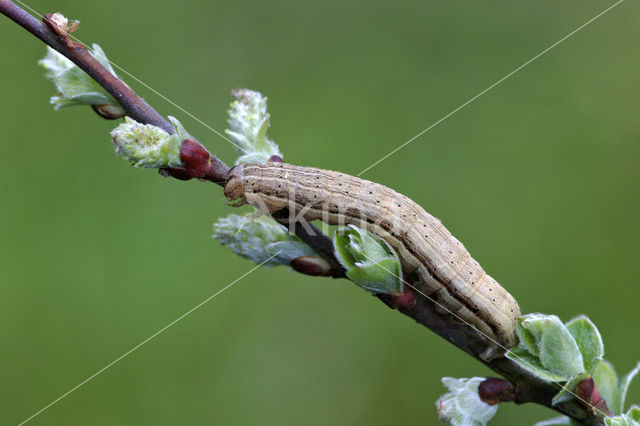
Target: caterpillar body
[{"x": 442, "y": 267}]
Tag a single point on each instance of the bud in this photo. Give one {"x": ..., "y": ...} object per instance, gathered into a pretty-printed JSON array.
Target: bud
[
  {"x": 589, "y": 395},
  {"x": 462, "y": 405},
  {"x": 369, "y": 260},
  {"x": 493, "y": 391},
  {"x": 60, "y": 24},
  {"x": 260, "y": 239},
  {"x": 108, "y": 111},
  {"x": 145, "y": 145},
  {"x": 311, "y": 265},
  {"x": 249, "y": 122}
]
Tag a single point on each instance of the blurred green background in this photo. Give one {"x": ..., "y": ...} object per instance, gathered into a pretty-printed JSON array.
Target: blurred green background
[{"x": 538, "y": 177}]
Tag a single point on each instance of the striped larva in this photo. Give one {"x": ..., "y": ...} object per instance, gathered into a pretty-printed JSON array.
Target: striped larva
[{"x": 443, "y": 268}]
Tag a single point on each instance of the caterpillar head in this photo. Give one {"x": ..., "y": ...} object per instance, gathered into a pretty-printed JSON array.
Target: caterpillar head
[{"x": 234, "y": 187}]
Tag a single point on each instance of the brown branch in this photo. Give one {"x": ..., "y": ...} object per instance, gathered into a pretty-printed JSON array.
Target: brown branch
[
  {"x": 135, "y": 106},
  {"x": 521, "y": 386},
  {"x": 197, "y": 161}
]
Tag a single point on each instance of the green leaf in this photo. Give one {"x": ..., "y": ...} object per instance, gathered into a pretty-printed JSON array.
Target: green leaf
[
  {"x": 55, "y": 63},
  {"x": 621, "y": 420},
  {"x": 77, "y": 88},
  {"x": 74, "y": 86},
  {"x": 606, "y": 381},
  {"x": 634, "y": 413},
  {"x": 375, "y": 278},
  {"x": 529, "y": 362},
  {"x": 98, "y": 53},
  {"x": 589, "y": 342},
  {"x": 462, "y": 406},
  {"x": 624, "y": 387},
  {"x": 181, "y": 132},
  {"x": 526, "y": 337},
  {"x": 559, "y": 352},
  {"x": 369, "y": 260},
  {"x": 548, "y": 338}
]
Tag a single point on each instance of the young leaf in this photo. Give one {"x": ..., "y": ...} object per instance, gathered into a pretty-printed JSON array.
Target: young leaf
[
  {"x": 558, "y": 351},
  {"x": 621, "y": 420},
  {"x": 462, "y": 406},
  {"x": 589, "y": 342},
  {"x": 181, "y": 132},
  {"x": 634, "y": 413},
  {"x": 369, "y": 260},
  {"x": 606, "y": 381},
  {"x": 532, "y": 364},
  {"x": 526, "y": 336},
  {"x": 547, "y": 336},
  {"x": 624, "y": 387},
  {"x": 97, "y": 52},
  {"x": 74, "y": 86}
]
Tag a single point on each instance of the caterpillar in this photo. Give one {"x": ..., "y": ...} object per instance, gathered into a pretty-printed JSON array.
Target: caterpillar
[{"x": 443, "y": 269}]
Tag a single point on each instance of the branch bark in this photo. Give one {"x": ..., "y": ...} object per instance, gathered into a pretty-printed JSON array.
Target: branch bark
[{"x": 199, "y": 163}]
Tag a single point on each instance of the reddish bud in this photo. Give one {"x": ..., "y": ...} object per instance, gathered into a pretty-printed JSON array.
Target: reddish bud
[
  {"x": 196, "y": 162},
  {"x": 311, "y": 265},
  {"x": 589, "y": 395},
  {"x": 407, "y": 299},
  {"x": 402, "y": 301},
  {"x": 494, "y": 391},
  {"x": 275, "y": 159},
  {"x": 195, "y": 158}
]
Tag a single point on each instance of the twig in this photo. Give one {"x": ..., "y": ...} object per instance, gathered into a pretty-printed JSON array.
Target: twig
[
  {"x": 207, "y": 166},
  {"x": 135, "y": 107},
  {"x": 198, "y": 163}
]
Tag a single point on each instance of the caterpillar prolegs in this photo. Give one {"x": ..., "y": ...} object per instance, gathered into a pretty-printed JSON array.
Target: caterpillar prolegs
[{"x": 443, "y": 268}]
